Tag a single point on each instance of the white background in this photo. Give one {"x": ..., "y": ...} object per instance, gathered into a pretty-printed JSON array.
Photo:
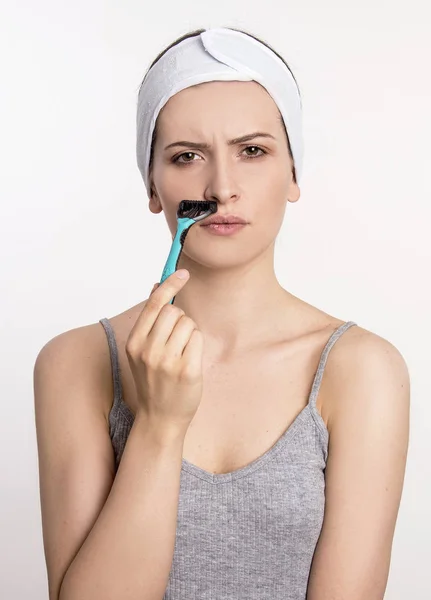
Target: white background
[{"x": 78, "y": 242}]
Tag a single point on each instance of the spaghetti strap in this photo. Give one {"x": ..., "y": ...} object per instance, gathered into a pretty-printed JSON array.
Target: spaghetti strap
[
  {"x": 324, "y": 356},
  {"x": 115, "y": 363}
]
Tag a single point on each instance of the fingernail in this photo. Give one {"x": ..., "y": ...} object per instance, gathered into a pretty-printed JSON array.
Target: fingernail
[{"x": 182, "y": 274}]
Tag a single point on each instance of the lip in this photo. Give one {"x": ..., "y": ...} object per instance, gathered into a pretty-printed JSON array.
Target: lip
[
  {"x": 224, "y": 219},
  {"x": 224, "y": 228}
]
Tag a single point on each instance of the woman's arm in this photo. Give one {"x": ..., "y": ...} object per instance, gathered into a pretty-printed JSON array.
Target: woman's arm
[
  {"x": 368, "y": 384},
  {"x": 104, "y": 538}
]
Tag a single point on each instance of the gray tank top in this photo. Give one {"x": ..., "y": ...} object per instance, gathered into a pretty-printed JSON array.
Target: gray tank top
[{"x": 249, "y": 534}]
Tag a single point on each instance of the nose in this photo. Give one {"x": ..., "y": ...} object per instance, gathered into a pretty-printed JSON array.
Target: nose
[{"x": 221, "y": 184}]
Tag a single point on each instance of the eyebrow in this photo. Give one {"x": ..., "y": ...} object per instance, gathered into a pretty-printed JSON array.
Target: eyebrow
[{"x": 238, "y": 140}]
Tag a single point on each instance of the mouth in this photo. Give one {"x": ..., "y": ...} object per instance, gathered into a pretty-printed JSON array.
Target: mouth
[
  {"x": 224, "y": 220},
  {"x": 224, "y": 228}
]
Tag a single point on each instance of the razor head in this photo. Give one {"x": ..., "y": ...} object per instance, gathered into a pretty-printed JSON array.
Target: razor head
[{"x": 196, "y": 209}]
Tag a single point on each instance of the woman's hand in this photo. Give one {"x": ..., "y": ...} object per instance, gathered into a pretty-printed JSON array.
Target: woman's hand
[{"x": 165, "y": 350}]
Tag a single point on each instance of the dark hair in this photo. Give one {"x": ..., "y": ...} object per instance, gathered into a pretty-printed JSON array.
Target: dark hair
[{"x": 198, "y": 32}]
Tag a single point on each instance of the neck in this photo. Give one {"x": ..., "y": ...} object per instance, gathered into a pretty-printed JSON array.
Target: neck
[{"x": 234, "y": 307}]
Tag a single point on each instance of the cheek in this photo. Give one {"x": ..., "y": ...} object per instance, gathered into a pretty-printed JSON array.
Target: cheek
[
  {"x": 270, "y": 213},
  {"x": 270, "y": 197},
  {"x": 273, "y": 222},
  {"x": 273, "y": 181},
  {"x": 171, "y": 191}
]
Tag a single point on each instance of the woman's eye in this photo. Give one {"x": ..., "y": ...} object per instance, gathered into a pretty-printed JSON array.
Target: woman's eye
[
  {"x": 255, "y": 148},
  {"x": 183, "y": 154},
  {"x": 176, "y": 159}
]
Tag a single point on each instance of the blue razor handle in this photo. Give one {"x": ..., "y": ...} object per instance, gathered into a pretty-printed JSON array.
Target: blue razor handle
[
  {"x": 195, "y": 210},
  {"x": 176, "y": 248}
]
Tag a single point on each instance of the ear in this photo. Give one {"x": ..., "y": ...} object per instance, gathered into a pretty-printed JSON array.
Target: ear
[
  {"x": 154, "y": 201},
  {"x": 294, "y": 192}
]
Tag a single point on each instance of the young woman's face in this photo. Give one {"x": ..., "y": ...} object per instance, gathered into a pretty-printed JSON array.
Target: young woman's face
[{"x": 252, "y": 179}]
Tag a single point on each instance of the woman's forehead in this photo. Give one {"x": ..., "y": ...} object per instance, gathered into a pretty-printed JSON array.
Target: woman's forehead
[
  {"x": 220, "y": 91},
  {"x": 241, "y": 105}
]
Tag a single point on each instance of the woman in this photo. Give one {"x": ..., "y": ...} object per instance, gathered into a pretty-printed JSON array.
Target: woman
[{"x": 251, "y": 445}]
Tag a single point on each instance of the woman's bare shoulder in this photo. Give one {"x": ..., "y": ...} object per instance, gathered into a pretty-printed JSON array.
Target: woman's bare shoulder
[
  {"x": 359, "y": 354},
  {"x": 83, "y": 351},
  {"x": 357, "y": 341}
]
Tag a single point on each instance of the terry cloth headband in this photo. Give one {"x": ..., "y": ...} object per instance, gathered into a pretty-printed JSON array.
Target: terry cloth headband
[{"x": 218, "y": 54}]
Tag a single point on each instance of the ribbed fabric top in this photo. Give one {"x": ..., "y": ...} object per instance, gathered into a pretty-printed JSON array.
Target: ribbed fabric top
[{"x": 249, "y": 534}]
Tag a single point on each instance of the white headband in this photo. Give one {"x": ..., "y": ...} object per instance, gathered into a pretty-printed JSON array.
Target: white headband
[{"x": 218, "y": 54}]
